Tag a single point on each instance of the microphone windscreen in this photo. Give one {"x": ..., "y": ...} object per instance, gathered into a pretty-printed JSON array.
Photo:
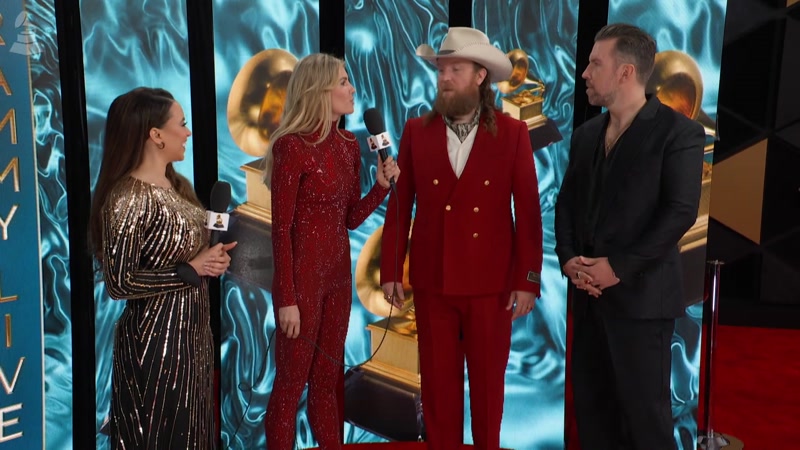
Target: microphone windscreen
[
  {"x": 220, "y": 196},
  {"x": 373, "y": 120}
]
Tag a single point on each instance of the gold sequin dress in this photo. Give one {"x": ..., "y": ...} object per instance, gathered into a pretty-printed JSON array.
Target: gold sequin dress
[{"x": 162, "y": 375}]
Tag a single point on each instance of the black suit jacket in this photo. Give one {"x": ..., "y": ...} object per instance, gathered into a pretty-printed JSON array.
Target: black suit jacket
[{"x": 649, "y": 201}]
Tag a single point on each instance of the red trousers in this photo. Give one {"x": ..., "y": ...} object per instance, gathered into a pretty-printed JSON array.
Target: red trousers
[
  {"x": 324, "y": 317},
  {"x": 449, "y": 329}
]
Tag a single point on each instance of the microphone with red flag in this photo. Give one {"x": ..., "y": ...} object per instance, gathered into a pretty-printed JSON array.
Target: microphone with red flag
[{"x": 379, "y": 140}]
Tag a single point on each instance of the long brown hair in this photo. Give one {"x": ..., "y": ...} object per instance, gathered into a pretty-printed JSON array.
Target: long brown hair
[
  {"x": 486, "y": 102},
  {"x": 130, "y": 118}
]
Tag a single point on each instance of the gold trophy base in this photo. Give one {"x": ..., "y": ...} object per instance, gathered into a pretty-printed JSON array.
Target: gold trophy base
[
  {"x": 396, "y": 353},
  {"x": 530, "y": 113},
  {"x": 696, "y": 236},
  {"x": 524, "y": 107},
  {"x": 535, "y": 122},
  {"x": 527, "y": 108},
  {"x": 258, "y": 204},
  {"x": 255, "y": 212}
]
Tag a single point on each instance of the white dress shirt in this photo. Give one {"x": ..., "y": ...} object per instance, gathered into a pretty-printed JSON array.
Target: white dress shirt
[{"x": 459, "y": 151}]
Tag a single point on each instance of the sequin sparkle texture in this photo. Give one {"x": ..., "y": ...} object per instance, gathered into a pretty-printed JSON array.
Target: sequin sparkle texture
[
  {"x": 162, "y": 376},
  {"x": 316, "y": 198}
]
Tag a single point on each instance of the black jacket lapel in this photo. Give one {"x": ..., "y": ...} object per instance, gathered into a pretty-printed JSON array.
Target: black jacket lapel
[{"x": 628, "y": 150}]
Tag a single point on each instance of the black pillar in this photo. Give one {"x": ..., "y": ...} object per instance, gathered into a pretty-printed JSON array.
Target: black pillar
[
  {"x": 460, "y": 13},
  {"x": 593, "y": 15},
  {"x": 200, "y": 30},
  {"x": 331, "y": 27},
  {"x": 76, "y": 161}
]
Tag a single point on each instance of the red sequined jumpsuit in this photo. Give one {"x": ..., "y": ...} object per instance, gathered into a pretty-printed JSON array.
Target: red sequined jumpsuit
[{"x": 316, "y": 198}]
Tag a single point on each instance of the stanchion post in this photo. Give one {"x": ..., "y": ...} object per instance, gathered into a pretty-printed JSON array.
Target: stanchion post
[{"x": 707, "y": 438}]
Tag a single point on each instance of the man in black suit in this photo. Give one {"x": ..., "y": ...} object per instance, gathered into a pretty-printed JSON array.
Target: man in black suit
[{"x": 630, "y": 192}]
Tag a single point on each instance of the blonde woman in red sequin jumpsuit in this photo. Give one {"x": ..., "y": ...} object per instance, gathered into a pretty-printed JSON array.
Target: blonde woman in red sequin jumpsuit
[{"x": 313, "y": 170}]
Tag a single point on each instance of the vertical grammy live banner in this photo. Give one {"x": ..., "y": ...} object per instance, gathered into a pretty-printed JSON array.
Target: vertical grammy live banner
[{"x": 21, "y": 342}]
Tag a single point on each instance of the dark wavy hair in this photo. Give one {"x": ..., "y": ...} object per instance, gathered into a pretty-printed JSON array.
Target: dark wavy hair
[{"x": 130, "y": 118}]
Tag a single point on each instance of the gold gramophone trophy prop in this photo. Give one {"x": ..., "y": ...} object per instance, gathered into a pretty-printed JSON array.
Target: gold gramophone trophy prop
[
  {"x": 255, "y": 106},
  {"x": 393, "y": 339},
  {"x": 677, "y": 82},
  {"x": 524, "y": 93}
]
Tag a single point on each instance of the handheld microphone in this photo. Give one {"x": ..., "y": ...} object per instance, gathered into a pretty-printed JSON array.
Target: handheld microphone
[
  {"x": 216, "y": 218},
  {"x": 216, "y": 221},
  {"x": 379, "y": 139}
]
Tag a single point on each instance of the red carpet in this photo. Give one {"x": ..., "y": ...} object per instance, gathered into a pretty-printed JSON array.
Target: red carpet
[{"x": 755, "y": 394}]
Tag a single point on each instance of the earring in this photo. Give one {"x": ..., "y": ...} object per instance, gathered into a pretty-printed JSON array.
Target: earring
[{"x": 160, "y": 146}]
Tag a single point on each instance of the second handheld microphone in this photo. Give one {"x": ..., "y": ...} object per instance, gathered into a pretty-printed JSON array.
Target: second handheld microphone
[
  {"x": 379, "y": 139},
  {"x": 217, "y": 218}
]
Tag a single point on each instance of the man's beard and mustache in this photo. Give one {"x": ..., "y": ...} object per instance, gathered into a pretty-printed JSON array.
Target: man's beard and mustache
[
  {"x": 457, "y": 103},
  {"x": 597, "y": 99}
]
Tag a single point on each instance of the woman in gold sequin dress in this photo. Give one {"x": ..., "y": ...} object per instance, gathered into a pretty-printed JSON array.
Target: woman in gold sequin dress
[
  {"x": 147, "y": 229},
  {"x": 313, "y": 169}
]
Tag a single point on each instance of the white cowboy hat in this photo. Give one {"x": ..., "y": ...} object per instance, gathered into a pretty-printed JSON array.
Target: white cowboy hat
[{"x": 471, "y": 44}]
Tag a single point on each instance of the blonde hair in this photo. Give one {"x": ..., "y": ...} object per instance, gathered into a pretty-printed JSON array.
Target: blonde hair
[{"x": 308, "y": 105}]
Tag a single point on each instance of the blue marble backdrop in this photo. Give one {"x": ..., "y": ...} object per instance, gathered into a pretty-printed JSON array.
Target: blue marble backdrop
[
  {"x": 535, "y": 377},
  {"x": 126, "y": 45},
  {"x": 54, "y": 232}
]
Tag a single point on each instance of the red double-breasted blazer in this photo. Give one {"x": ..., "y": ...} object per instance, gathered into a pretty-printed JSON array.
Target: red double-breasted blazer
[{"x": 465, "y": 240}]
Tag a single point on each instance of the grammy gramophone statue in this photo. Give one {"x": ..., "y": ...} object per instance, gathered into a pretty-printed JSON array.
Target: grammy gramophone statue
[
  {"x": 524, "y": 95},
  {"x": 255, "y": 105},
  {"x": 523, "y": 99},
  {"x": 393, "y": 339},
  {"x": 391, "y": 376}
]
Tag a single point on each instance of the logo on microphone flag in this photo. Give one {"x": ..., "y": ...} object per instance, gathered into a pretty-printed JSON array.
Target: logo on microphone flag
[
  {"x": 217, "y": 221},
  {"x": 379, "y": 142}
]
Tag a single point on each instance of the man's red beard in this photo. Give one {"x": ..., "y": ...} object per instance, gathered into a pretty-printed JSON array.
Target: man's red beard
[{"x": 457, "y": 103}]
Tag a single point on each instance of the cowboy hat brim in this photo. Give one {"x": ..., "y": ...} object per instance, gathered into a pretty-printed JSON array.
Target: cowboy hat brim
[{"x": 487, "y": 55}]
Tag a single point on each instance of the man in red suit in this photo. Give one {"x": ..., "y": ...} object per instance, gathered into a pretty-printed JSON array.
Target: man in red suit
[{"x": 473, "y": 265}]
